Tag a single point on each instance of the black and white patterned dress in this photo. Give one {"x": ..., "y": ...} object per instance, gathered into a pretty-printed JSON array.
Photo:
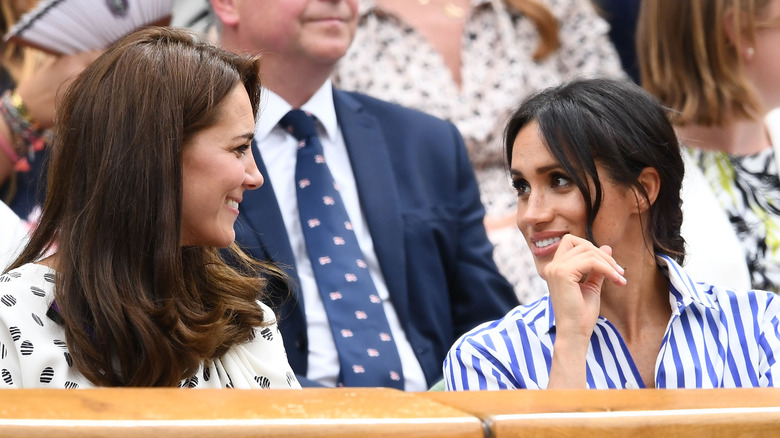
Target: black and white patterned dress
[
  {"x": 33, "y": 352},
  {"x": 748, "y": 189}
]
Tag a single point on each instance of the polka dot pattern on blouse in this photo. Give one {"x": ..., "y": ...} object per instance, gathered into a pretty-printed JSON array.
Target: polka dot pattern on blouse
[{"x": 34, "y": 354}]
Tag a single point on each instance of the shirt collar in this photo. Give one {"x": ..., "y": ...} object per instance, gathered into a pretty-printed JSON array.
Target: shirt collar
[
  {"x": 682, "y": 291},
  {"x": 273, "y": 107}
]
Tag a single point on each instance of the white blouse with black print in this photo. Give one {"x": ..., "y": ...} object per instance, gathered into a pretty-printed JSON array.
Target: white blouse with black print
[{"x": 33, "y": 352}]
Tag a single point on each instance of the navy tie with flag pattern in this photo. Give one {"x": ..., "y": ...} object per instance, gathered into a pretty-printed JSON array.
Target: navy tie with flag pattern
[{"x": 367, "y": 354}]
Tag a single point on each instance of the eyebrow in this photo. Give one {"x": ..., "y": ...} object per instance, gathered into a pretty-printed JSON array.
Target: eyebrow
[
  {"x": 246, "y": 136},
  {"x": 539, "y": 171}
]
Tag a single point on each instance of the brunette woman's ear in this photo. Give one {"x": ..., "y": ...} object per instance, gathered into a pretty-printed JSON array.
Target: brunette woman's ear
[{"x": 651, "y": 182}]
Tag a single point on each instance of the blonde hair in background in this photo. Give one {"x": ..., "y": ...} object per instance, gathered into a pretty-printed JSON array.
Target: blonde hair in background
[
  {"x": 546, "y": 24},
  {"x": 687, "y": 59}
]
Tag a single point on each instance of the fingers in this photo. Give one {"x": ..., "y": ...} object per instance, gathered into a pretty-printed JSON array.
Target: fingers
[{"x": 580, "y": 261}]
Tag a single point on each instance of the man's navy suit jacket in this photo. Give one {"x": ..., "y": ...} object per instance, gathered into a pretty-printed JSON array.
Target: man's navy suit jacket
[{"x": 421, "y": 203}]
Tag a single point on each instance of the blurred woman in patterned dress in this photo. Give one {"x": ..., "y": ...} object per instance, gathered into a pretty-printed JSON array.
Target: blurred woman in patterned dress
[{"x": 716, "y": 64}]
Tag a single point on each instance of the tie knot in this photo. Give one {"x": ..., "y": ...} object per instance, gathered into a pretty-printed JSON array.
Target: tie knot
[{"x": 299, "y": 123}]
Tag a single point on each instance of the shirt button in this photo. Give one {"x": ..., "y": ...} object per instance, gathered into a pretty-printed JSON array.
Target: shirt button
[{"x": 631, "y": 385}]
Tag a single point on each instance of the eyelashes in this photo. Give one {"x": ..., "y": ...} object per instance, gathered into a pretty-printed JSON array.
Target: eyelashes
[
  {"x": 241, "y": 150},
  {"x": 556, "y": 181}
]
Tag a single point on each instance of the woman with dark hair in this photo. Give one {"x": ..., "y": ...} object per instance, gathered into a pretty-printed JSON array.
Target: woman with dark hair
[
  {"x": 598, "y": 171},
  {"x": 470, "y": 62},
  {"x": 122, "y": 283}
]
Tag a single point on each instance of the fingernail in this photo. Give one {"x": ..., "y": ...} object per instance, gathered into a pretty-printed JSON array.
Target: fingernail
[{"x": 621, "y": 270}]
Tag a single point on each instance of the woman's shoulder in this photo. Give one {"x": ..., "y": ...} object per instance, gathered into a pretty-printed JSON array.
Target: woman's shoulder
[
  {"x": 268, "y": 333},
  {"x": 269, "y": 316},
  {"x": 35, "y": 351},
  {"x": 533, "y": 319},
  {"x": 29, "y": 270},
  {"x": 26, "y": 293},
  {"x": 739, "y": 303},
  {"x": 30, "y": 283},
  {"x": 260, "y": 363}
]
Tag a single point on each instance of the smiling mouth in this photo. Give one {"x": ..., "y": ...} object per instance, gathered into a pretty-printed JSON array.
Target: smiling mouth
[
  {"x": 546, "y": 242},
  {"x": 231, "y": 203}
]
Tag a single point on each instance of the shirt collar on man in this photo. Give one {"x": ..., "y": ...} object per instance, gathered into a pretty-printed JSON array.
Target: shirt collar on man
[
  {"x": 683, "y": 291},
  {"x": 273, "y": 107}
]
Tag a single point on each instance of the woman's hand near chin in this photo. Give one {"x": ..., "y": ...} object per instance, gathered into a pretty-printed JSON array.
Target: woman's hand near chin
[{"x": 575, "y": 277}]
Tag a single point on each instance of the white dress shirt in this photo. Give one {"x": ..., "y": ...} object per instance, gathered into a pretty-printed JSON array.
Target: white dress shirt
[{"x": 279, "y": 152}]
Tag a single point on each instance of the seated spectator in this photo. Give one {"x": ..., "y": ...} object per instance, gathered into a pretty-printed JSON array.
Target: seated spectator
[
  {"x": 598, "y": 171},
  {"x": 714, "y": 63},
  {"x": 372, "y": 207},
  {"x": 470, "y": 62},
  {"x": 122, "y": 283},
  {"x": 29, "y": 83}
]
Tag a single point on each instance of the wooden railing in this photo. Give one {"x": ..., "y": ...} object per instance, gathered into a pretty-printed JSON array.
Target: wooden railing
[
  {"x": 689, "y": 413},
  {"x": 313, "y": 413}
]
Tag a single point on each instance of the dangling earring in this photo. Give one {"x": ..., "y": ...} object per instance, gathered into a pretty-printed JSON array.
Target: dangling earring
[{"x": 750, "y": 52}]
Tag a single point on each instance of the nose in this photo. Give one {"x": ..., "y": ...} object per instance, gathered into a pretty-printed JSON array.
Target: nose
[
  {"x": 253, "y": 179},
  {"x": 533, "y": 210}
]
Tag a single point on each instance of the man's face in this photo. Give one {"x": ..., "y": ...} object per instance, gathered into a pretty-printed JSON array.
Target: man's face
[{"x": 318, "y": 31}]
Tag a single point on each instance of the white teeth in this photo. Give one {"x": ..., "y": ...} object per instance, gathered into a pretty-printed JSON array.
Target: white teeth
[
  {"x": 231, "y": 203},
  {"x": 546, "y": 242}
]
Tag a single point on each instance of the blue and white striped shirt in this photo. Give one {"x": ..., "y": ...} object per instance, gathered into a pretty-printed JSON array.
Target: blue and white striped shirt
[{"x": 715, "y": 338}]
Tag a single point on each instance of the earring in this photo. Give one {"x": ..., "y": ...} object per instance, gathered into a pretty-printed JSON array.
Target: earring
[{"x": 750, "y": 52}]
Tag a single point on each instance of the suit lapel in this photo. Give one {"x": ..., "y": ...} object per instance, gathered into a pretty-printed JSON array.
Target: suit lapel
[{"x": 378, "y": 194}]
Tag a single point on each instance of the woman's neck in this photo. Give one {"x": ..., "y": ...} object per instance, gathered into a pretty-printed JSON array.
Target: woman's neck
[
  {"x": 744, "y": 137},
  {"x": 644, "y": 300},
  {"x": 50, "y": 261}
]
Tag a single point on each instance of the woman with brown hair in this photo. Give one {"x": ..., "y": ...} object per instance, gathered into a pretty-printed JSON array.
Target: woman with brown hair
[
  {"x": 471, "y": 62},
  {"x": 122, "y": 283},
  {"x": 715, "y": 64}
]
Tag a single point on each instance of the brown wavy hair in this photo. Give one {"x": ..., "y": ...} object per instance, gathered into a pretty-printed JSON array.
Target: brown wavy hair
[
  {"x": 138, "y": 308},
  {"x": 687, "y": 60},
  {"x": 544, "y": 21}
]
